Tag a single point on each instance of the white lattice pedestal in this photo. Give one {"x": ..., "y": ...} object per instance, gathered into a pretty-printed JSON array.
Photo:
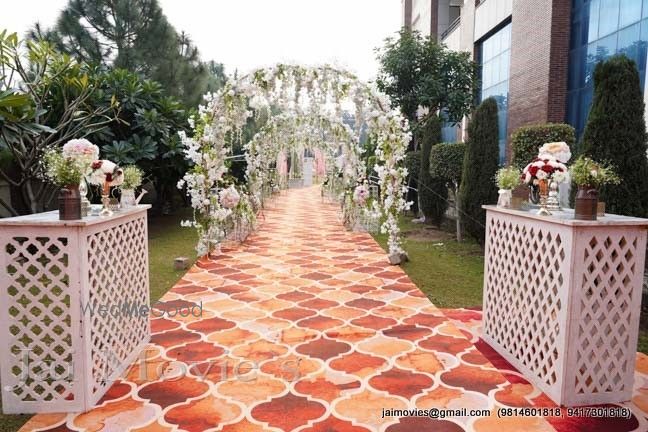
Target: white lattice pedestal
[
  {"x": 61, "y": 349},
  {"x": 562, "y": 300}
]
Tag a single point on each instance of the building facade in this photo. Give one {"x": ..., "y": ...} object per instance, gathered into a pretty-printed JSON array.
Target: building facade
[{"x": 535, "y": 57}]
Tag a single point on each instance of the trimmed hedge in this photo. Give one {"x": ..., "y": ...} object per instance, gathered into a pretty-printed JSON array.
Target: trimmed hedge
[
  {"x": 413, "y": 163},
  {"x": 480, "y": 164},
  {"x": 433, "y": 193},
  {"x": 616, "y": 133},
  {"x": 526, "y": 140},
  {"x": 446, "y": 161}
]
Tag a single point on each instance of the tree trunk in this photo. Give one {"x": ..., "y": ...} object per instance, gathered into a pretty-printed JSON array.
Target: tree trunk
[{"x": 458, "y": 211}]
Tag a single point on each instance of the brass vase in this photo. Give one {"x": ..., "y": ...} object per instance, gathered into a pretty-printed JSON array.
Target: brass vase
[
  {"x": 69, "y": 200},
  {"x": 543, "y": 190}
]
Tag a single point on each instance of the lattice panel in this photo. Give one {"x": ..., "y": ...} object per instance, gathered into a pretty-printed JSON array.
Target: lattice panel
[
  {"x": 117, "y": 276},
  {"x": 606, "y": 299},
  {"x": 524, "y": 301},
  {"x": 36, "y": 284}
]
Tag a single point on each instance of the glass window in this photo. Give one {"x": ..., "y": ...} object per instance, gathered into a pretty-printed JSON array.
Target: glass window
[
  {"x": 495, "y": 63},
  {"x": 593, "y": 19},
  {"x": 608, "y": 17},
  {"x": 629, "y": 42},
  {"x": 630, "y": 12},
  {"x": 644, "y": 12}
]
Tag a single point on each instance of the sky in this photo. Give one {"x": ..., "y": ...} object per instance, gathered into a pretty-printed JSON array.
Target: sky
[{"x": 245, "y": 34}]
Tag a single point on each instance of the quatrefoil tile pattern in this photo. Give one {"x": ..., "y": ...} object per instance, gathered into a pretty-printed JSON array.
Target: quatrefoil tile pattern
[{"x": 305, "y": 327}]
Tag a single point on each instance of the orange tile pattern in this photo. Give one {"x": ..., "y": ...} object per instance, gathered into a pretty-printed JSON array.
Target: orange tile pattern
[{"x": 306, "y": 327}]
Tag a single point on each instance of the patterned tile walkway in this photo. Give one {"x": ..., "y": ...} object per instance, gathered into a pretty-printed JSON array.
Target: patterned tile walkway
[{"x": 305, "y": 327}]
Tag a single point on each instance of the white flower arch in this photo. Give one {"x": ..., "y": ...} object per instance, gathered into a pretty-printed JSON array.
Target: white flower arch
[{"x": 302, "y": 104}]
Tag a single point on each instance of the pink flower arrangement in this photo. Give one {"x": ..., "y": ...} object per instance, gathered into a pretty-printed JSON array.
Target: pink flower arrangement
[
  {"x": 82, "y": 151},
  {"x": 360, "y": 194},
  {"x": 229, "y": 198}
]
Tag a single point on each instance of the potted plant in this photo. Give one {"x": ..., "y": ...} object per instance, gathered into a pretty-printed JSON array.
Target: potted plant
[
  {"x": 589, "y": 175},
  {"x": 507, "y": 179},
  {"x": 67, "y": 168},
  {"x": 132, "y": 180}
]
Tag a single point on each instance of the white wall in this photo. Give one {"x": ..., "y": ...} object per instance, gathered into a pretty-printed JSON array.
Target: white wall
[
  {"x": 453, "y": 39},
  {"x": 421, "y": 16},
  {"x": 489, "y": 14}
]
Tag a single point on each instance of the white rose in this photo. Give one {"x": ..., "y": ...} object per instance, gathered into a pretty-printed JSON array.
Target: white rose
[{"x": 541, "y": 175}]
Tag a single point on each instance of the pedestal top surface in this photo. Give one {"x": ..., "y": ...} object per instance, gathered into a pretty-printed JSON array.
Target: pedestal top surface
[
  {"x": 566, "y": 217},
  {"x": 51, "y": 218}
]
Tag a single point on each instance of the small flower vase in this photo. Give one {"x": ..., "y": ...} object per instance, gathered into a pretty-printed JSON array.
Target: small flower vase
[
  {"x": 128, "y": 198},
  {"x": 553, "y": 203},
  {"x": 85, "y": 202},
  {"x": 69, "y": 200},
  {"x": 105, "y": 201},
  {"x": 505, "y": 198},
  {"x": 543, "y": 191},
  {"x": 586, "y": 203}
]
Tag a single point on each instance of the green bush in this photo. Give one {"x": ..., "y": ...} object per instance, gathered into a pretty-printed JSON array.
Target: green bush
[
  {"x": 526, "y": 140},
  {"x": 616, "y": 134},
  {"x": 480, "y": 165},
  {"x": 433, "y": 192},
  {"x": 413, "y": 163},
  {"x": 446, "y": 161}
]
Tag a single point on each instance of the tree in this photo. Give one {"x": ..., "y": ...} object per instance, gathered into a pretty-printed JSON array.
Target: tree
[
  {"x": 146, "y": 130},
  {"x": 446, "y": 162},
  {"x": 479, "y": 167},
  {"x": 416, "y": 71},
  {"x": 616, "y": 133},
  {"x": 433, "y": 192},
  {"x": 133, "y": 35},
  {"x": 46, "y": 99}
]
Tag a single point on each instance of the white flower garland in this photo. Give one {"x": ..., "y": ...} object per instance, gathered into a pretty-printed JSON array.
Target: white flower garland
[{"x": 309, "y": 100}]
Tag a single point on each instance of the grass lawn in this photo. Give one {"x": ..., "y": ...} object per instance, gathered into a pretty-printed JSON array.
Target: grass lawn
[
  {"x": 167, "y": 240},
  {"x": 448, "y": 272}
]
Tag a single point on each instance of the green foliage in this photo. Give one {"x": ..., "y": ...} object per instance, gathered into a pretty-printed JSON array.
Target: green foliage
[
  {"x": 446, "y": 162},
  {"x": 616, "y": 133},
  {"x": 46, "y": 99},
  {"x": 433, "y": 191},
  {"x": 413, "y": 164},
  {"x": 586, "y": 172},
  {"x": 508, "y": 177},
  {"x": 134, "y": 35},
  {"x": 60, "y": 170},
  {"x": 132, "y": 177},
  {"x": 146, "y": 130},
  {"x": 526, "y": 140},
  {"x": 419, "y": 71},
  {"x": 479, "y": 167}
]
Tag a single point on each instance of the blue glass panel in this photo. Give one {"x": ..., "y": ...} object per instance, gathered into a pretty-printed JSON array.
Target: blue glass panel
[
  {"x": 593, "y": 20},
  {"x": 629, "y": 42},
  {"x": 630, "y": 12},
  {"x": 644, "y": 12},
  {"x": 609, "y": 17},
  {"x": 495, "y": 65},
  {"x": 505, "y": 65}
]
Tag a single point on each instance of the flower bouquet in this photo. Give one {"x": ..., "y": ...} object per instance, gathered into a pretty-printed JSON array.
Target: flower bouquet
[
  {"x": 106, "y": 174},
  {"x": 67, "y": 169},
  {"x": 545, "y": 172}
]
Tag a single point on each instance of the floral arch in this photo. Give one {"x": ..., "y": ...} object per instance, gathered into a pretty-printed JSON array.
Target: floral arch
[{"x": 305, "y": 106}]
